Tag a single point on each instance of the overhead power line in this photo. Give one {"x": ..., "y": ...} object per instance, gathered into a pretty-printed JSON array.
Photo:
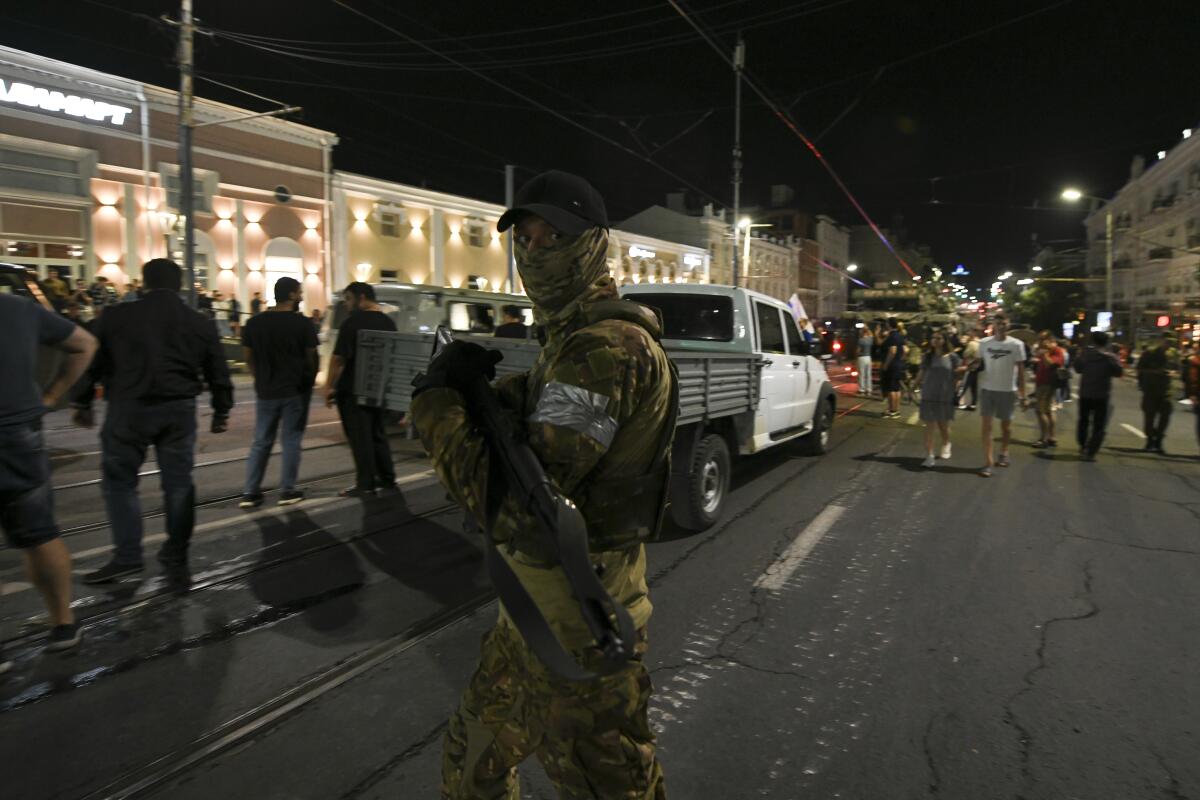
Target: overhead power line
[
  {"x": 791, "y": 125},
  {"x": 354, "y": 58},
  {"x": 541, "y": 106}
]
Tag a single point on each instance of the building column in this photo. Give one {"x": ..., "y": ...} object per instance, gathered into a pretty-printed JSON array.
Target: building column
[
  {"x": 239, "y": 254},
  {"x": 129, "y": 235},
  {"x": 341, "y": 249},
  {"x": 437, "y": 248}
]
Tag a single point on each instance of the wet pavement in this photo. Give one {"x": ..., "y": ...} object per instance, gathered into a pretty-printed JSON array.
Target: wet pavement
[{"x": 855, "y": 627}]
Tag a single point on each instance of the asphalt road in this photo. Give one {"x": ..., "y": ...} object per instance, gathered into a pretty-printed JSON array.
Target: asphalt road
[{"x": 855, "y": 627}]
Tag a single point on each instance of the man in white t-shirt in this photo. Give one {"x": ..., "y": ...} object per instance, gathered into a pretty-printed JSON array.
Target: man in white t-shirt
[{"x": 1001, "y": 383}]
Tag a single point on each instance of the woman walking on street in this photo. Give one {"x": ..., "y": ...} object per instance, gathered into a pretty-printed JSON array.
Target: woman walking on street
[{"x": 940, "y": 368}]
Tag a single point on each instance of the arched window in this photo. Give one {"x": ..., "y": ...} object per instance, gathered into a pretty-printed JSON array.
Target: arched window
[{"x": 282, "y": 258}]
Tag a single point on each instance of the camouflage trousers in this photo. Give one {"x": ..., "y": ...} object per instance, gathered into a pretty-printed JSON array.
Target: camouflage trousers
[{"x": 593, "y": 738}]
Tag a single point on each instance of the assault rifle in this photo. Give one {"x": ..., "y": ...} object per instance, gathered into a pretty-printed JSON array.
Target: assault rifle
[{"x": 564, "y": 529}]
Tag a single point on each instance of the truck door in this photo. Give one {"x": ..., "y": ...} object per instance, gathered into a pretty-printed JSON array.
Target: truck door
[
  {"x": 778, "y": 376},
  {"x": 807, "y": 384}
]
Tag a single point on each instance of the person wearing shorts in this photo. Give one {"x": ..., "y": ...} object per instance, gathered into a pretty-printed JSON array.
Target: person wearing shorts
[
  {"x": 1001, "y": 384},
  {"x": 891, "y": 371},
  {"x": 26, "y": 498},
  {"x": 1050, "y": 360}
]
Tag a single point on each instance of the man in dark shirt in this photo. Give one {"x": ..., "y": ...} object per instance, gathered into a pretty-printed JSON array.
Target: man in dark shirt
[
  {"x": 1155, "y": 383},
  {"x": 363, "y": 425},
  {"x": 26, "y": 499},
  {"x": 892, "y": 368},
  {"x": 514, "y": 326},
  {"x": 280, "y": 347},
  {"x": 155, "y": 356},
  {"x": 1098, "y": 367},
  {"x": 256, "y": 303}
]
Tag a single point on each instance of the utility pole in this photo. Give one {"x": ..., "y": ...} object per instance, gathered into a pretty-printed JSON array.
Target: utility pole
[
  {"x": 186, "y": 193},
  {"x": 739, "y": 62},
  {"x": 509, "y": 198}
]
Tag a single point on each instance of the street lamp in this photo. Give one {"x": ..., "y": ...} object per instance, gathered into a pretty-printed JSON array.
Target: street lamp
[
  {"x": 852, "y": 268},
  {"x": 1074, "y": 195}
]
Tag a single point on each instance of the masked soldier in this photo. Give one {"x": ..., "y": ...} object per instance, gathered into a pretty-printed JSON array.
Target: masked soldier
[{"x": 598, "y": 408}]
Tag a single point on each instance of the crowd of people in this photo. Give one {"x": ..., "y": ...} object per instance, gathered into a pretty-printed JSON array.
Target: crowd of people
[
  {"x": 84, "y": 303},
  {"x": 945, "y": 372},
  {"x": 154, "y": 357}
]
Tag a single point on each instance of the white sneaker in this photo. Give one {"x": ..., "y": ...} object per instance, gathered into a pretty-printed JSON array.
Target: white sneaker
[
  {"x": 928, "y": 462},
  {"x": 945, "y": 451}
]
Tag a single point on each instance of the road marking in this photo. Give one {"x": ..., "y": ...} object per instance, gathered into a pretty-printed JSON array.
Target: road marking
[
  {"x": 1133, "y": 430},
  {"x": 781, "y": 570},
  {"x": 14, "y": 587},
  {"x": 244, "y": 516}
]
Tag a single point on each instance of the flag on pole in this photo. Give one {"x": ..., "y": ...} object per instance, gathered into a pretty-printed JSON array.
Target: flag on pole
[{"x": 797, "y": 308}]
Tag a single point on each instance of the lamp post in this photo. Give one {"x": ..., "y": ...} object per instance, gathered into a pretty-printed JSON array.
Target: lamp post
[{"x": 1073, "y": 196}]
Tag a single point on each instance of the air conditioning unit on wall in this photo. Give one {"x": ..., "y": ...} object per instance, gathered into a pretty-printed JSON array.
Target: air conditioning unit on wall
[{"x": 382, "y": 209}]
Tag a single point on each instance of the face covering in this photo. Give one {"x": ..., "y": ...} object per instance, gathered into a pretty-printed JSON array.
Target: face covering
[{"x": 554, "y": 276}]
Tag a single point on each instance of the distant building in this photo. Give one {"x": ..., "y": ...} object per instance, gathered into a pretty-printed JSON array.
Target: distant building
[
  {"x": 1156, "y": 241},
  {"x": 834, "y": 243},
  {"x": 774, "y": 265}
]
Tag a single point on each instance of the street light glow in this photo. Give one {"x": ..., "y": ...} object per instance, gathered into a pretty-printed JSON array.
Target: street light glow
[
  {"x": 744, "y": 222},
  {"x": 1071, "y": 195},
  {"x": 852, "y": 268},
  {"x": 1037, "y": 269},
  {"x": 1024, "y": 281}
]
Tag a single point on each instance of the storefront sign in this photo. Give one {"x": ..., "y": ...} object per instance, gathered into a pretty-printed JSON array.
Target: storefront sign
[
  {"x": 640, "y": 252},
  {"x": 692, "y": 260},
  {"x": 71, "y": 104}
]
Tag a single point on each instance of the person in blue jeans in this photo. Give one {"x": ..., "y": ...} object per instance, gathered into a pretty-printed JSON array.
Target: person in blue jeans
[
  {"x": 280, "y": 347},
  {"x": 155, "y": 357}
]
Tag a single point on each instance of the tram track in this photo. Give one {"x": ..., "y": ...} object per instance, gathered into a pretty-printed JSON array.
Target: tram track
[
  {"x": 90, "y": 527},
  {"x": 243, "y": 729},
  {"x": 163, "y": 592},
  {"x": 214, "y": 463}
]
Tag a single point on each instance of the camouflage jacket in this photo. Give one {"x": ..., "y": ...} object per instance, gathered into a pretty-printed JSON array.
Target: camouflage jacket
[{"x": 594, "y": 407}]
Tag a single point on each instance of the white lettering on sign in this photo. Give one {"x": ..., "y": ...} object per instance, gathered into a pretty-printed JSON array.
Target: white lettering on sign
[
  {"x": 640, "y": 252},
  {"x": 71, "y": 104},
  {"x": 692, "y": 260}
]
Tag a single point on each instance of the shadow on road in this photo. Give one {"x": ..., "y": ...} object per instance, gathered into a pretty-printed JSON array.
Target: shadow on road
[
  {"x": 305, "y": 569},
  {"x": 913, "y": 464},
  {"x": 437, "y": 561}
]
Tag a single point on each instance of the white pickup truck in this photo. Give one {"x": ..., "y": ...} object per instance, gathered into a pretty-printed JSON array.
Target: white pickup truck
[{"x": 747, "y": 382}]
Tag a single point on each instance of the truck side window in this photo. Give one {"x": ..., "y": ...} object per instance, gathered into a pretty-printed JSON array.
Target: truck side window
[
  {"x": 796, "y": 344},
  {"x": 472, "y": 317},
  {"x": 770, "y": 328}
]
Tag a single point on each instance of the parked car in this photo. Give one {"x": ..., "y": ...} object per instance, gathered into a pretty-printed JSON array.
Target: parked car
[{"x": 748, "y": 382}]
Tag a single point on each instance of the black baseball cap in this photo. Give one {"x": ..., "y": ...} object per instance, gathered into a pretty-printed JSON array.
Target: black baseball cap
[{"x": 566, "y": 201}]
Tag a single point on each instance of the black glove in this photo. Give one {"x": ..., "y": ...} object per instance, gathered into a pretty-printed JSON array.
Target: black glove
[
  {"x": 220, "y": 423},
  {"x": 456, "y": 366}
]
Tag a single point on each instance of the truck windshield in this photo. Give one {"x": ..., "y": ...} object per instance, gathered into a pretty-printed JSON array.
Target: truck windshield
[{"x": 704, "y": 318}]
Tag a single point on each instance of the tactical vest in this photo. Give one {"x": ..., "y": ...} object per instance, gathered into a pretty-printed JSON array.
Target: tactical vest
[{"x": 624, "y": 511}]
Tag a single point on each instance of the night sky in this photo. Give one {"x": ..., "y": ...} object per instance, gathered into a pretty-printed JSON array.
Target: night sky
[{"x": 987, "y": 109}]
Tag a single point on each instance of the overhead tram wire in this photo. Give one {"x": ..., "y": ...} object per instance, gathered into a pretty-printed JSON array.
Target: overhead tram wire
[
  {"x": 929, "y": 51},
  {"x": 506, "y": 33},
  {"x": 787, "y": 120},
  {"x": 391, "y": 110},
  {"x": 541, "y": 106},
  {"x": 768, "y": 18}
]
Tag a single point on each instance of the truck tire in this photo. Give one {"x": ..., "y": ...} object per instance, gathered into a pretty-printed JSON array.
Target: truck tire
[
  {"x": 816, "y": 443},
  {"x": 698, "y": 496}
]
